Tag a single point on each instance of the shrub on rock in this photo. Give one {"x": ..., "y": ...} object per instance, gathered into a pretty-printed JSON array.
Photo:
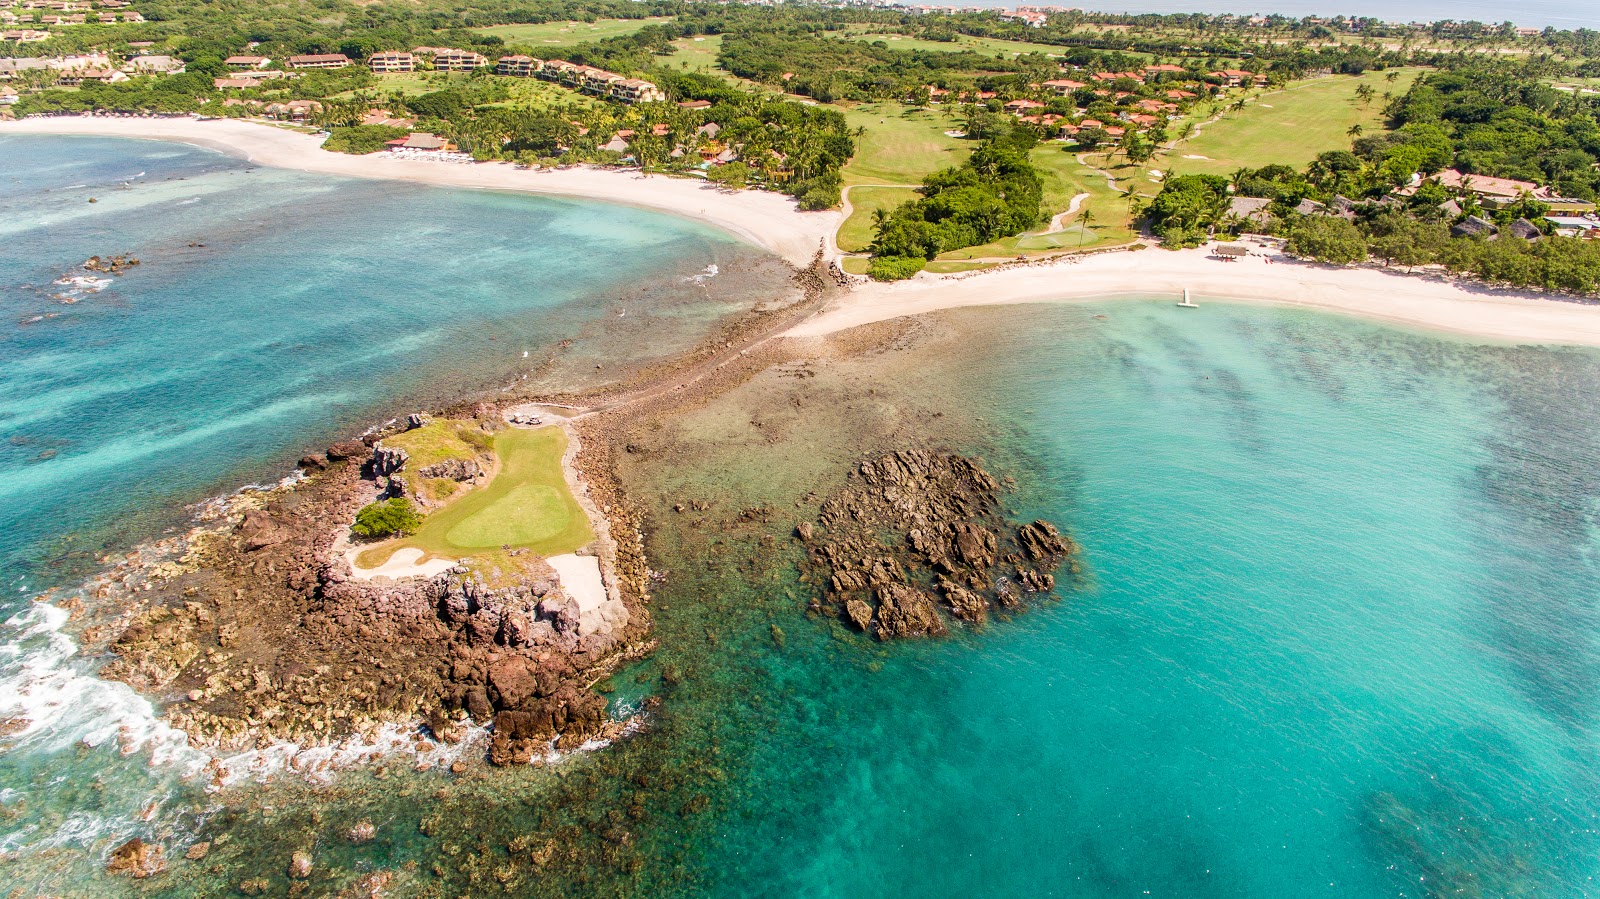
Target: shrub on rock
[{"x": 395, "y": 517}]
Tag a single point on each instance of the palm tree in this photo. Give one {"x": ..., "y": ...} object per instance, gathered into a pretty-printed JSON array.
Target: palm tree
[
  {"x": 1083, "y": 222},
  {"x": 1355, "y": 131}
]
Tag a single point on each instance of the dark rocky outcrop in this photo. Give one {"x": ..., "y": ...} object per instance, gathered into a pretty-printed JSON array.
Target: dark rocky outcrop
[
  {"x": 917, "y": 532},
  {"x": 137, "y": 859},
  {"x": 268, "y": 634}
]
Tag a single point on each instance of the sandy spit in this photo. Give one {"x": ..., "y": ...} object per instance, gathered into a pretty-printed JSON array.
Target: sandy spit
[
  {"x": 1427, "y": 302},
  {"x": 771, "y": 221}
]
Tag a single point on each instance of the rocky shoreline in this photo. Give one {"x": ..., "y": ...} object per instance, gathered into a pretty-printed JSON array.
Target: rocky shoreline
[{"x": 261, "y": 634}]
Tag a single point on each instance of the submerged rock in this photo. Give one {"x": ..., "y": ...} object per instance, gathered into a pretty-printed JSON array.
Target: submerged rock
[
  {"x": 137, "y": 859},
  {"x": 915, "y": 532}
]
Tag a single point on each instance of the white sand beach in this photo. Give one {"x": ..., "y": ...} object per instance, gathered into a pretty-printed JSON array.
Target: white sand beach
[
  {"x": 762, "y": 218},
  {"x": 1429, "y": 302},
  {"x": 771, "y": 221}
]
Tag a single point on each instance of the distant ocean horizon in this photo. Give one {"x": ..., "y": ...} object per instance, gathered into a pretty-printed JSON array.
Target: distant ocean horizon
[{"x": 1563, "y": 14}]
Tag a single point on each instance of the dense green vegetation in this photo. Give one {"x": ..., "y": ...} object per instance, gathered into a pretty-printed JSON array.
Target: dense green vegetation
[
  {"x": 996, "y": 193},
  {"x": 393, "y": 517},
  {"x": 1497, "y": 120},
  {"x": 361, "y": 139}
]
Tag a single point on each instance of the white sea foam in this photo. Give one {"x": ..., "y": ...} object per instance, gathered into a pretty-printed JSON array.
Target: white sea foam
[
  {"x": 55, "y": 703},
  {"x": 711, "y": 271},
  {"x": 83, "y": 283}
]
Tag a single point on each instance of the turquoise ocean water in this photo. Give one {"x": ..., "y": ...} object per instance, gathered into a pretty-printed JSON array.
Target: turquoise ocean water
[
  {"x": 272, "y": 313},
  {"x": 1337, "y": 633}
]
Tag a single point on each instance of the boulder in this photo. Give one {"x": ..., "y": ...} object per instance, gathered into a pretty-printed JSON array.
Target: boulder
[
  {"x": 347, "y": 449},
  {"x": 454, "y": 469},
  {"x": 907, "y": 612},
  {"x": 387, "y": 460},
  {"x": 259, "y": 530},
  {"x": 137, "y": 859},
  {"x": 313, "y": 462},
  {"x": 512, "y": 683}
]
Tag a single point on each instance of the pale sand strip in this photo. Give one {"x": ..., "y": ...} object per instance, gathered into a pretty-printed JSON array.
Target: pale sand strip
[
  {"x": 771, "y": 221},
  {"x": 1422, "y": 302},
  {"x": 763, "y": 218}
]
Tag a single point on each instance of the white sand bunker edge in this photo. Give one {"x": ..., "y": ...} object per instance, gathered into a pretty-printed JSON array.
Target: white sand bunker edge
[
  {"x": 404, "y": 563},
  {"x": 580, "y": 580}
]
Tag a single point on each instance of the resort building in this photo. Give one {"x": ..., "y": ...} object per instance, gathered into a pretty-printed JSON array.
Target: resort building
[
  {"x": 25, "y": 35},
  {"x": 635, "y": 90},
  {"x": 1064, "y": 87},
  {"x": 105, "y": 76},
  {"x": 243, "y": 63},
  {"x": 319, "y": 61},
  {"x": 392, "y": 61},
  {"x": 518, "y": 66},
  {"x": 459, "y": 61},
  {"x": 420, "y": 142},
  {"x": 601, "y": 83}
]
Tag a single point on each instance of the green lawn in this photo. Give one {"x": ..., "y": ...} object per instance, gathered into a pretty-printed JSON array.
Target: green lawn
[
  {"x": 901, "y": 145},
  {"x": 526, "y": 93},
  {"x": 856, "y": 234},
  {"x": 698, "y": 54},
  {"x": 567, "y": 34},
  {"x": 527, "y": 506},
  {"x": 1291, "y": 126},
  {"x": 987, "y": 45}
]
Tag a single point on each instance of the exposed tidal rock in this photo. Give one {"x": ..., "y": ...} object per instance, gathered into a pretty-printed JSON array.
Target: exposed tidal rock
[
  {"x": 137, "y": 859},
  {"x": 916, "y": 532},
  {"x": 347, "y": 449}
]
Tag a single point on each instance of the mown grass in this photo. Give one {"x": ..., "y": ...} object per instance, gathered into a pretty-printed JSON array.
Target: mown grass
[
  {"x": 987, "y": 45},
  {"x": 528, "y": 505},
  {"x": 567, "y": 34},
  {"x": 900, "y": 145},
  {"x": 1290, "y": 127},
  {"x": 857, "y": 232},
  {"x": 1064, "y": 177}
]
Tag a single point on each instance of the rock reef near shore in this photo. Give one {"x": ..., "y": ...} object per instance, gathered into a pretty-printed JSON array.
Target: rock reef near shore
[
  {"x": 265, "y": 633},
  {"x": 917, "y": 536}
]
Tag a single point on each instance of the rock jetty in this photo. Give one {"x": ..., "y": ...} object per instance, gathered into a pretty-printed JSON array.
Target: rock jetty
[{"x": 916, "y": 537}]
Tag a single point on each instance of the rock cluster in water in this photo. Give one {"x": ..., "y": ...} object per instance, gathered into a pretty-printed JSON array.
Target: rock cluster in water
[
  {"x": 110, "y": 265},
  {"x": 917, "y": 536}
]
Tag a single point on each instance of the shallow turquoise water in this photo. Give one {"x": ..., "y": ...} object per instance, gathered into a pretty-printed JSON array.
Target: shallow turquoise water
[
  {"x": 272, "y": 313},
  {"x": 1338, "y": 635}
]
